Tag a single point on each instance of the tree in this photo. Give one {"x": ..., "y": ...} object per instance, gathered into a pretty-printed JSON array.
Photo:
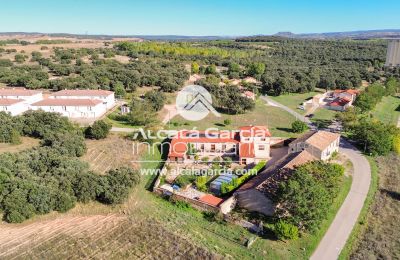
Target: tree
[
  {"x": 255, "y": 69},
  {"x": 142, "y": 113},
  {"x": 195, "y": 68},
  {"x": 227, "y": 121},
  {"x": 99, "y": 130},
  {"x": 119, "y": 89},
  {"x": 212, "y": 69},
  {"x": 19, "y": 58},
  {"x": 392, "y": 86},
  {"x": 284, "y": 231},
  {"x": 299, "y": 126},
  {"x": 156, "y": 99}
]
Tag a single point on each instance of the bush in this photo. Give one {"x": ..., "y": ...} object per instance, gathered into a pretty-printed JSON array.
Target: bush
[
  {"x": 99, "y": 130},
  {"x": 285, "y": 231},
  {"x": 227, "y": 121},
  {"x": 299, "y": 126},
  {"x": 201, "y": 183}
]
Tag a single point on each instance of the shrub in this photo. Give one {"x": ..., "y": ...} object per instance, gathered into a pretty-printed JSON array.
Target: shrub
[
  {"x": 285, "y": 231},
  {"x": 99, "y": 130},
  {"x": 227, "y": 121},
  {"x": 299, "y": 126},
  {"x": 201, "y": 183}
]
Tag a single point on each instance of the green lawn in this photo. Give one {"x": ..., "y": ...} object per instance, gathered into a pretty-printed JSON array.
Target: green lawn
[
  {"x": 278, "y": 120},
  {"x": 227, "y": 239},
  {"x": 388, "y": 110},
  {"x": 294, "y": 100},
  {"x": 323, "y": 117}
]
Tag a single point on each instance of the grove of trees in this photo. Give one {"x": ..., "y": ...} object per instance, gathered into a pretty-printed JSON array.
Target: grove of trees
[{"x": 51, "y": 176}]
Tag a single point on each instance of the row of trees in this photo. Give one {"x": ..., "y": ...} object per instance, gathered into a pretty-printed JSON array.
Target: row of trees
[{"x": 51, "y": 176}]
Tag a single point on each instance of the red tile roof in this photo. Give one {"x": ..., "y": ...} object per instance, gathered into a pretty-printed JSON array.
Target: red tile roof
[
  {"x": 251, "y": 131},
  {"x": 9, "y": 101},
  {"x": 18, "y": 92},
  {"x": 82, "y": 92},
  {"x": 211, "y": 200},
  {"x": 246, "y": 150},
  {"x": 350, "y": 91},
  {"x": 67, "y": 102},
  {"x": 339, "y": 102},
  {"x": 178, "y": 146}
]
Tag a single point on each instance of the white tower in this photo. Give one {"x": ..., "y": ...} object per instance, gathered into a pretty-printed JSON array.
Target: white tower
[{"x": 393, "y": 54}]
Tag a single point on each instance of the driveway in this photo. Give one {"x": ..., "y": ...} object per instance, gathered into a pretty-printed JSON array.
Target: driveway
[
  {"x": 300, "y": 117},
  {"x": 335, "y": 238}
]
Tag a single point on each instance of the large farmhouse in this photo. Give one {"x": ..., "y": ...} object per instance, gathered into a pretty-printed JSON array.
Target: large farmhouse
[
  {"x": 342, "y": 99},
  {"x": 107, "y": 97},
  {"x": 28, "y": 96},
  {"x": 78, "y": 104},
  {"x": 13, "y": 106},
  {"x": 320, "y": 144},
  {"x": 72, "y": 108},
  {"x": 248, "y": 145}
]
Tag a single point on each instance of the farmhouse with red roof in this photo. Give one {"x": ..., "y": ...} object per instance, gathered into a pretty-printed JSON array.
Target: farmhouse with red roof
[{"x": 247, "y": 145}]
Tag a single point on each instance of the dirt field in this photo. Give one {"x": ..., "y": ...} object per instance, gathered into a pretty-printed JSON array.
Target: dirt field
[
  {"x": 109, "y": 153},
  {"x": 27, "y": 143},
  {"x": 381, "y": 240}
]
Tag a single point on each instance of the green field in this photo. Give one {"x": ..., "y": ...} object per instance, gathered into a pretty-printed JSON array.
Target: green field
[
  {"x": 388, "y": 110},
  {"x": 294, "y": 100},
  {"x": 323, "y": 117},
  {"x": 278, "y": 120}
]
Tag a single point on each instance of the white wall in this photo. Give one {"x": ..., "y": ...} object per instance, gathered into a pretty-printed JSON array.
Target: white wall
[
  {"x": 15, "y": 109},
  {"x": 75, "y": 111},
  {"x": 109, "y": 101},
  {"x": 28, "y": 99}
]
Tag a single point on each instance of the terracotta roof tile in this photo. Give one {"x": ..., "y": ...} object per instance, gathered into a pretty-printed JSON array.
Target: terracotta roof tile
[
  {"x": 211, "y": 200},
  {"x": 18, "y": 92},
  {"x": 82, "y": 92},
  {"x": 302, "y": 158},
  {"x": 67, "y": 102},
  {"x": 322, "y": 139},
  {"x": 9, "y": 101}
]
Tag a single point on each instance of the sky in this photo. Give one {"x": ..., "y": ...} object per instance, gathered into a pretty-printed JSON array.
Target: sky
[{"x": 197, "y": 18}]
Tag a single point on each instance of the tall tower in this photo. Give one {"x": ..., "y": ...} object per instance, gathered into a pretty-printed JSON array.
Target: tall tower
[{"x": 393, "y": 54}]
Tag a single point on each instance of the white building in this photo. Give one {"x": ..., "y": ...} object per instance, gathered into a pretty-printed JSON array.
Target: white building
[
  {"x": 107, "y": 97},
  {"x": 320, "y": 144},
  {"x": 29, "y": 96},
  {"x": 13, "y": 106},
  {"x": 72, "y": 108}
]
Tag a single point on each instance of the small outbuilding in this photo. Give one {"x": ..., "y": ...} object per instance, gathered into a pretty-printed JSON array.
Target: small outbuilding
[{"x": 215, "y": 186}]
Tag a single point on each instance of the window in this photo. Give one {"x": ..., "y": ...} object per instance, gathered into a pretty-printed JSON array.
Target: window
[
  {"x": 224, "y": 147},
  {"x": 202, "y": 147},
  {"x": 261, "y": 147},
  {"x": 64, "y": 108},
  {"x": 213, "y": 148},
  {"x": 244, "y": 161},
  {"x": 89, "y": 108}
]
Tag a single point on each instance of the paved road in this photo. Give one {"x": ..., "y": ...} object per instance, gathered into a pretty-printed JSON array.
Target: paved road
[
  {"x": 335, "y": 238},
  {"x": 270, "y": 101},
  {"x": 122, "y": 130}
]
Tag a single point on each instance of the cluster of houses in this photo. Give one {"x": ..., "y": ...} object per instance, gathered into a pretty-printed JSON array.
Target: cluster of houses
[
  {"x": 338, "y": 100},
  {"x": 78, "y": 103},
  {"x": 247, "y": 146}
]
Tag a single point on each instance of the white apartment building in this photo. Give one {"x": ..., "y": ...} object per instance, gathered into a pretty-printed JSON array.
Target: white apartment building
[
  {"x": 107, "y": 97},
  {"x": 13, "y": 107},
  {"x": 72, "y": 108},
  {"x": 29, "y": 96}
]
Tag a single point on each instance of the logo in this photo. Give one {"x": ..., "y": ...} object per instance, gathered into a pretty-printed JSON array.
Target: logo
[{"x": 194, "y": 103}]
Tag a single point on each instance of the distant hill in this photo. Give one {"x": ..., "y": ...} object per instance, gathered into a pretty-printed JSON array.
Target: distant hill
[{"x": 369, "y": 34}]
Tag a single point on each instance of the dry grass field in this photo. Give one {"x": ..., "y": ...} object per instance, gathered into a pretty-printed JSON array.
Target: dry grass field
[
  {"x": 381, "y": 239},
  {"x": 27, "y": 143},
  {"x": 110, "y": 153}
]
